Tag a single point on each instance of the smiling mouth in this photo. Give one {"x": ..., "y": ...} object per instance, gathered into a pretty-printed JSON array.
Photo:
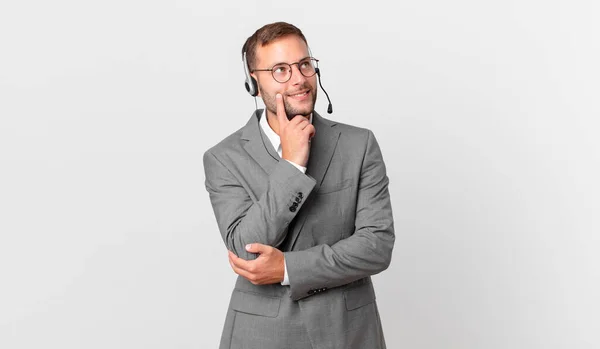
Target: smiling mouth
[{"x": 300, "y": 94}]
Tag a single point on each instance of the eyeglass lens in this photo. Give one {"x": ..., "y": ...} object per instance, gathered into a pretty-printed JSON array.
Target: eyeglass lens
[{"x": 283, "y": 72}]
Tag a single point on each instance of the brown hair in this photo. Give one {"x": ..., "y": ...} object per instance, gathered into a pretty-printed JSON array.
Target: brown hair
[{"x": 265, "y": 35}]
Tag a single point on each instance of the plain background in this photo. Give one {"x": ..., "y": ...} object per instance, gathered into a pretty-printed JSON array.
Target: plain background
[{"x": 486, "y": 113}]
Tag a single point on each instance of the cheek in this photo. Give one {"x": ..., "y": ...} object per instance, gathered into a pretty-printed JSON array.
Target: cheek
[
  {"x": 271, "y": 90},
  {"x": 313, "y": 83},
  {"x": 266, "y": 87}
]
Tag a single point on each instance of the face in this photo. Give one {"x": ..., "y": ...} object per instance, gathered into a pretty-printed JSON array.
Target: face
[{"x": 299, "y": 93}]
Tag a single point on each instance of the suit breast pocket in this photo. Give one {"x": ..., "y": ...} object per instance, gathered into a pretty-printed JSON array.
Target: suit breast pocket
[
  {"x": 332, "y": 213},
  {"x": 328, "y": 188}
]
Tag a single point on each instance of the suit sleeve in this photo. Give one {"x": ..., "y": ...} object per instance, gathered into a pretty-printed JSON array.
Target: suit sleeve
[
  {"x": 243, "y": 219},
  {"x": 366, "y": 252}
]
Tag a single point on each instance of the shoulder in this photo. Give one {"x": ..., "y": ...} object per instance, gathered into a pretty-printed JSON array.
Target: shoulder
[
  {"x": 351, "y": 133},
  {"x": 356, "y": 142},
  {"x": 230, "y": 144}
]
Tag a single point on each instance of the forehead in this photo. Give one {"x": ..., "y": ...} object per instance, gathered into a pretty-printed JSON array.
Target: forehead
[{"x": 287, "y": 49}]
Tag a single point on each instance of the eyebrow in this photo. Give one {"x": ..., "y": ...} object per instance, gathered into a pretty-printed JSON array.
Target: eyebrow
[{"x": 300, "y": 60}]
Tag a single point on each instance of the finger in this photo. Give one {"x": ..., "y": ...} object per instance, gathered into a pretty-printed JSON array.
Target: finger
[
  {"x": 231, "y": 257},
  {"x": 257, "y": 248},
  {"x": 304, "y": 124},
  {"x": 310, "y": 129},
  {"x": 233, "y": 266},
  {"x": 239, "y": 262},
  {"x": 298, "y": 119},
  {"x": 305, "y": 128},
  {"x": 248, "y": 275},
  {"x": 281, "y": 115},
  {"x": 241, "y": 272},
  {"x": 298, "y": 124}
]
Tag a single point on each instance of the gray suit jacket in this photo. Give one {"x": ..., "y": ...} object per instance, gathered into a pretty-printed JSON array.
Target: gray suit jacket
[{"x": 333, "y": 223}]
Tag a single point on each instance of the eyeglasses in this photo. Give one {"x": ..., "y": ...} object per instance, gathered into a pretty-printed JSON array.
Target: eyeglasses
[{"x": 282, "y": 72}]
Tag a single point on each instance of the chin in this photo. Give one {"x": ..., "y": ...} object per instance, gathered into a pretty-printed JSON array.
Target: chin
[{"x": 300, "y": 111}]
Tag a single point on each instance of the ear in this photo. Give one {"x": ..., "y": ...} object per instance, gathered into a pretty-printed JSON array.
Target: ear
[{"x": 257, "y": 84}]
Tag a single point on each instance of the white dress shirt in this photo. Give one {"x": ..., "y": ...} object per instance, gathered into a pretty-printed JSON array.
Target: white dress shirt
[{"x": 276, "y": 142}]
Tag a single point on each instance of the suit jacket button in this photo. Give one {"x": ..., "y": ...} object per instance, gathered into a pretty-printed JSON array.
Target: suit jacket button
[
  {"x": 300, "y": 194},
  {"x": 298, "y": 199},
  {"x": 292, "y": 209},
  {"x": 311, "y": 291}
]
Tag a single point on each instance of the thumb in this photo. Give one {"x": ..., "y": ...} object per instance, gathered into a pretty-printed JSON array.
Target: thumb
[{"x": 256, "y": 248}]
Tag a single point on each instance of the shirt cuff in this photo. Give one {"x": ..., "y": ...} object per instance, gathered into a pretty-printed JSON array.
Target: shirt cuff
[
  {"x": 285, "y": 281},
  {"x": 301, "y": 168}
]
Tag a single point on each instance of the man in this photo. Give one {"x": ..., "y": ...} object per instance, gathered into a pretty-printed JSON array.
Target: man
[{"x": 303, "y": 207}]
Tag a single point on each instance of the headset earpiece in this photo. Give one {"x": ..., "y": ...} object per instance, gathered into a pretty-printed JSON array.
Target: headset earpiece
[
  {"x": 251, "y": 84},
  {"x": 251, "y": 87}
]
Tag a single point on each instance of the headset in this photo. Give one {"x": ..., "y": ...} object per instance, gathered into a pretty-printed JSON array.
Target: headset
[{"x": 252, "y": 85}]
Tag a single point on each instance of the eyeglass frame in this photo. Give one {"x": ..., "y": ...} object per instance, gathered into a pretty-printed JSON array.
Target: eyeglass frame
[{"x": 313, "y": 60}]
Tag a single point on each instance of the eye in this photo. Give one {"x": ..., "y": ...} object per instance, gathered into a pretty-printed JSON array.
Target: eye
[
  {"x": 280, "y": 69},
  {"x": 305, "y": 64}
]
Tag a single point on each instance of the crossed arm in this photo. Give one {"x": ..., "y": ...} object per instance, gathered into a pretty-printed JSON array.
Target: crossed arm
[{"x": 244, "y": 220}]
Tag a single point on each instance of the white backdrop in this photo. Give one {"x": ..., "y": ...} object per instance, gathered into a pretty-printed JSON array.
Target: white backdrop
[{"x": 486, "y": 113}]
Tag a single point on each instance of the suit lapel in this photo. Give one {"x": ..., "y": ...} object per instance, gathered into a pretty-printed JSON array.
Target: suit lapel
[
  {"x": 322, "y": 147},
  {"x": 258, "y": 146}
]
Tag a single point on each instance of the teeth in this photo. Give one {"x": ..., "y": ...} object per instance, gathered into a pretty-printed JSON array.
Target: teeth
[{"x": 300, "y": 94}]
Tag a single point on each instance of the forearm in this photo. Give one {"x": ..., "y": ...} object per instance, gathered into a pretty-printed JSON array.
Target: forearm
[
  {"x": 367, "y": 252},
  {"x": 244, "y": 219},
  {"x": 267, "y": 219}
]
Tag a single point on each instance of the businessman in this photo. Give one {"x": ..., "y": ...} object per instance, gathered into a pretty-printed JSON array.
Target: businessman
[{"x": 303, "y": 207}]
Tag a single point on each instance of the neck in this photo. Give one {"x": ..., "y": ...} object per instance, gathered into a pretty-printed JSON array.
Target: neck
[{"x": 272, "y": 121}]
